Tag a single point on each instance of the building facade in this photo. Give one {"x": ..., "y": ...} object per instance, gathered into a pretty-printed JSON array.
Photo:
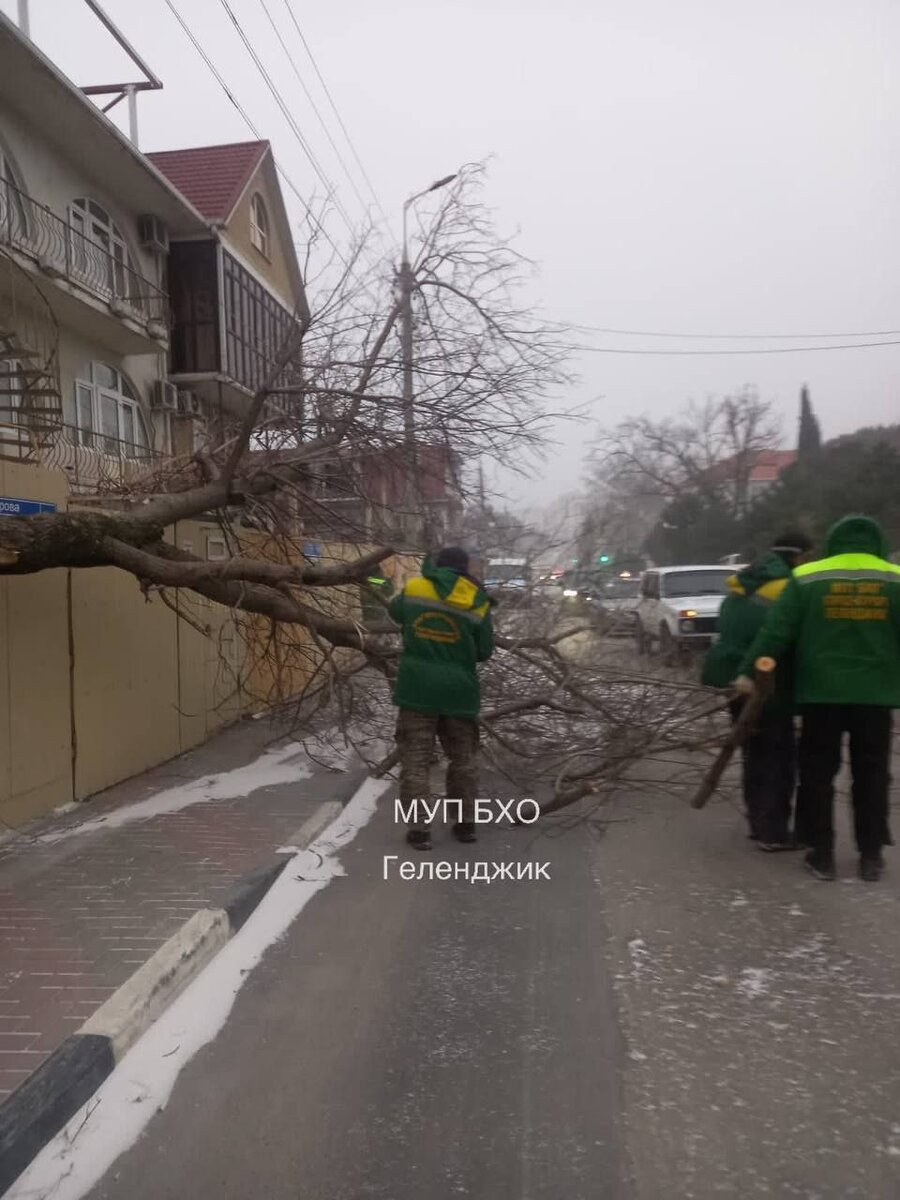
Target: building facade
[
  {"x": 84, "y": 313},
  {"x": 143, "y": 298},
  {"x": 236, "y": 292}
]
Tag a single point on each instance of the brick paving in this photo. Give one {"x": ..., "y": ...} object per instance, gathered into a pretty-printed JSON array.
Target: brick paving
[{"x": 79, "y": 915}]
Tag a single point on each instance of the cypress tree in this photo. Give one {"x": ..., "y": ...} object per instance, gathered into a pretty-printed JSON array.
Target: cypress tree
[{"x": 809, "y": 439}]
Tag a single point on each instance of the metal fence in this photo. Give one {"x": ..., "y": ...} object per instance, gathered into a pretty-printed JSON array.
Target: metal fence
[{"x": 61, "y": 250}]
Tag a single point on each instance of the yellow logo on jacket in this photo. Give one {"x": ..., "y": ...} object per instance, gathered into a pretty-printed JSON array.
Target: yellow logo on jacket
[
  {"x": 855, "y": 601},
  {"x": 436, "y": 627}
]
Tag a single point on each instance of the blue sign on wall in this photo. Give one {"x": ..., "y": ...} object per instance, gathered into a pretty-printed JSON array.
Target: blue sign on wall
[
  {"x": 11, "y": 507},
  {"x": 312, "y": 550}
]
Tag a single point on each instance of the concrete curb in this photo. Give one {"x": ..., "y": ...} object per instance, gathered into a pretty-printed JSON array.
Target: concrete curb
[{"x": 38, "y": 1109}]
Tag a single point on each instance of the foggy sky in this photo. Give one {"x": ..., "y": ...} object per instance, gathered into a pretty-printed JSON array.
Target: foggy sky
[{"x": 703, "y": 166}]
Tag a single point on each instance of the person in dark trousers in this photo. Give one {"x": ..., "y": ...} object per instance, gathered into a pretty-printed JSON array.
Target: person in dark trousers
[
  {"x": 445, "y": 616},
  {"x": 769, "y": 753},
  {"x": 841, "y": 617}
]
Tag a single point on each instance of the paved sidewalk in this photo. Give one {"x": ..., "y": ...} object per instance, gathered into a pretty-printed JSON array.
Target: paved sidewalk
[{"x": 87, "y": 896}]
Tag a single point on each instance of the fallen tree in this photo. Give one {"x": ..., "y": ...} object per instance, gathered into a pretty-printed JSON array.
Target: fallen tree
[
  {"x": 560, "y": 711},
  {"x": 485, "y": 369}
]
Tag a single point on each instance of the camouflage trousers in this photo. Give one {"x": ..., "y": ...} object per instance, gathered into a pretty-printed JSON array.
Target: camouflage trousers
[{"x": 459, "y": 740}]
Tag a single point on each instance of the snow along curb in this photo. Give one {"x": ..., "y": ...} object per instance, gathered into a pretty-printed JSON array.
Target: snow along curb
[{"x": 38, "y": 1109}]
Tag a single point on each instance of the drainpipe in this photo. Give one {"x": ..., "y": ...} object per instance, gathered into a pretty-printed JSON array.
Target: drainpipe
[{"x": 24, "y": 22}]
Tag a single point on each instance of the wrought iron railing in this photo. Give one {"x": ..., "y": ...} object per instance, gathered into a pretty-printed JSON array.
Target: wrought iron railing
[
  {"x": 30, "y": 397},
  {"x": 96, "y": 462},
  {"x": 63, "y": 251}
]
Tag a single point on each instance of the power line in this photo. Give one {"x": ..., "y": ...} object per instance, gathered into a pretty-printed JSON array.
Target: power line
[
  {"x": 288, "y": 116},
  {"x": 250, "y": 125},
  {"x": 724, "y": 337},
  {"x": 315, "y": 108},
  {"x": 212, "y": 66},
  {"x": 749, "y": 350},
  {"x": 334, "y": 109}
]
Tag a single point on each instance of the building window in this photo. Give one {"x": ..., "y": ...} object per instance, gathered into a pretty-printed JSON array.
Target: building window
[
  {"x": 256, "y": 327},
  {"x": 99, "y": 253},
  {"x": 108, "y": 415},
  {"x": 216, "y": 548},
  {"x": 259, "y": 224}
]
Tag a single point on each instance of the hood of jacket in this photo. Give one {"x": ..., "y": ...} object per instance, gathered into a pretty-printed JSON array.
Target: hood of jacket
[
  {"x": 445, "y": 579},
  {"x": 856, "y": 535},
  {"x": 766, "y": 569}
]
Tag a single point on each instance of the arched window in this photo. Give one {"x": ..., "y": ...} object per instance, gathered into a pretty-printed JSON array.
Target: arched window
[
  {"x": 108, "y": 415},
  {"x": 99, "y": 252},
  {"x": 259, "y": 224}
]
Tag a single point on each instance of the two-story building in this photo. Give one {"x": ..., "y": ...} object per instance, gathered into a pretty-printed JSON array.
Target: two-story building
[
  {"x": 85, "y": 221},
  {"x": 143, "y": 298}
]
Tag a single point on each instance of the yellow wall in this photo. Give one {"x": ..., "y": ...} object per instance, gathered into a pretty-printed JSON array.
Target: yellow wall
[
  {"x": 35, "y": 724},
  {"x": 98, "y": 684}
]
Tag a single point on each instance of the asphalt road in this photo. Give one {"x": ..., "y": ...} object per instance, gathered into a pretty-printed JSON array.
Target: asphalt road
[
  {"x": 674, "y": 1014},
  {"x": 410, "y": 1040}
]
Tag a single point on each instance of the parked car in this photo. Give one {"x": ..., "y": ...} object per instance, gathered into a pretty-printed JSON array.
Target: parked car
[{"x": 679, "y": 607}]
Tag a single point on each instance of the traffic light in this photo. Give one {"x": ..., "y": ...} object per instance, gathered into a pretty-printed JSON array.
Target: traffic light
[{"x": 604, "y": 558}]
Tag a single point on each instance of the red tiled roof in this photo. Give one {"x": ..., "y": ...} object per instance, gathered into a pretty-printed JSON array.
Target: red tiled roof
[
  {"x": 211, "y": 177},
  {"x": 766, "y": 467},
  {"x": 770, "y": 463}
]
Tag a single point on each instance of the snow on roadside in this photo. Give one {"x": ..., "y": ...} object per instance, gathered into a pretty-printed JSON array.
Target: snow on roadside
[
  {"x": 113, "y": 1119},
  {"x": 287, "y": 764}
]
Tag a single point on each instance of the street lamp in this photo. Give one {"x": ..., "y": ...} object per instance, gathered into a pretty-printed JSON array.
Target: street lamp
[
  {"x": 406, "y": 336},
  {"x": 434, "y": 187}
]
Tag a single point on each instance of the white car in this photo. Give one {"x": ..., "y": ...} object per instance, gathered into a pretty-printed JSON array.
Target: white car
[{"x": 679, "y": 606}]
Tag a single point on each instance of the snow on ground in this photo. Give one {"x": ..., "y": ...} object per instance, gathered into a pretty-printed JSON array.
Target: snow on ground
[
  {"x": 286, "y": 764},
  {"x": 113, "y": 1119}
]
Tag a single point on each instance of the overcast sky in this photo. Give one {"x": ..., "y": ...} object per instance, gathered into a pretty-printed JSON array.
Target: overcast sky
[{"x": 705, "y": 166}]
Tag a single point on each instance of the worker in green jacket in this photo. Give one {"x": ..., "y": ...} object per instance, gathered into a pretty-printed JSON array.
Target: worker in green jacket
[
  {"x": 841, "y": 617},
  {"x": 445, "y": 616},
  {"x": 770, "y": 752}
]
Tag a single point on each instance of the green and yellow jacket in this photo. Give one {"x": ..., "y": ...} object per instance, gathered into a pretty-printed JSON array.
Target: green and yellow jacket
[
  {"x": 447, "y": 630},
  {"x": 751, "y": 595},
  {"x": 841, "y": 616}
]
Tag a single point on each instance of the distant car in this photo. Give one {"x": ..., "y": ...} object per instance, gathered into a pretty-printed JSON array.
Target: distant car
[
  {"x": 617, "y": 598},
  {"x": 679, "y": 607}
]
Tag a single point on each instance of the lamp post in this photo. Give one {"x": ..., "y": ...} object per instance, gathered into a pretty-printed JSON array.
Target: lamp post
[{"x": 406, "y": 281}]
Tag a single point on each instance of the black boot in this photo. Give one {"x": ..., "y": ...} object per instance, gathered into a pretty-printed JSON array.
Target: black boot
[
  {"x": 820, "y": 863},
  {"x": 870, "y": 867},
  {"x": 464, "y": 831},
  {"x": 419, "y": 839}
]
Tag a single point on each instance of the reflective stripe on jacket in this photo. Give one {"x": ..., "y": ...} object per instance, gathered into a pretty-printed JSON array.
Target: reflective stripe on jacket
[
  {"x": 447, "y": 630},
  {"x": 841, "y": 615}
]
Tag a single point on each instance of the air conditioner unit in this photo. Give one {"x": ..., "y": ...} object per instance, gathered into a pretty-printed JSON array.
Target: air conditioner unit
[
  {"x": 153, "y": 234},
  {"x": 190, "y": 404},
  {"x": 165, "y": 395}
]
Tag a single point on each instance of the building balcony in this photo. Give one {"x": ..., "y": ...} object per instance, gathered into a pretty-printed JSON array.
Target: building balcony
[
  {"x": 227, "y": 331},
  {"x": 96, "y": 290},
  {"x": 95, "y": 463}
]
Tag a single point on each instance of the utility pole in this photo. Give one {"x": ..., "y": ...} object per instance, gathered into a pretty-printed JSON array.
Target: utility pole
[
  {"x": 406, "y": 281},
  {"x": 406, "y": 351}
]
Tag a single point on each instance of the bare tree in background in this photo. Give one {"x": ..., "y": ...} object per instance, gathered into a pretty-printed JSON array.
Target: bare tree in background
[{"x": 708, "y": 450}]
